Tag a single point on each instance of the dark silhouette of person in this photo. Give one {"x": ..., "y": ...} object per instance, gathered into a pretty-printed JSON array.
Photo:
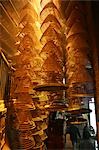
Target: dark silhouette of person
[
  {"x": 86, "y": 133},
  {"x": 74, "y": 134},
  {"x": 86, "y": 142}
]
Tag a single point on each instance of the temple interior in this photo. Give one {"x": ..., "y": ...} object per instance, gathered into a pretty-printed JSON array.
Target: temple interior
[{"x": 49, "y": 74}]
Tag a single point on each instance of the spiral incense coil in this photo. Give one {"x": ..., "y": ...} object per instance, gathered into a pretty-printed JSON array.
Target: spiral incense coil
[
  {"x": 41, "y": 125},
  {"x": 50, "y": 34},
  {"x": 76, "y": 29},
  {"x": 27, "y": 144},
  {"x": 50, "y": 87},
  {"x": 74, "y": 102},
  {"x": 82, "y": 95},
  {"x": 78, "y": 78},
  {"x": 74, "y": 40},
  {"x": 77, "y": 120},
  {"x": 52, "y": 63},
  {"x": 49, "y": 8},
  {"x": 43, "y": 135},
  {"x": 75, "y": 16},
  {"x": 28, "y": 9},
  {"x": 50, "y": 3},
  {"x": 57, "y": 105},
  {"x": 24, "y": 106},
  {"x": 50, "y": 48},
  {"x": 26, "y": 127},
  {"x": 50, "y": 19},
  {"x": 79, "y": 111}
]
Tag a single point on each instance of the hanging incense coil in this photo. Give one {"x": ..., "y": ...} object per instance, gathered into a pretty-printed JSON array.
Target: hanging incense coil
[
  {"x": 74, "y": 62},
  {"x": 40, "y": 97},
  {"x": 52, "y": 63},
  {"x": 71, "y": 7},
  {"x": 38, "y": 141},
  {"x": 51, "y": 77},
  {"x": 74, "y": 103},
  {"x": 26, "y": 141},
  {"x": 40, "y": 105},
  {"x": 26, "y": 126},
  {"x": 26, "y": 34},
  {"x": 28, "y": 9},
  {"x": 77, "y": 120},
  {"x": 26, "y": 43},
  {"x": 57, "y": 105},
  {"x": 79, "y": 111},
  {"x": 50, "y": 34},
  {"x": 27, "y": 144},
  {"x": 43, "y": 135},
  {"x": 56, "y": 96},
  {"x": 27, "y": 18},
  {"x": 38, "y": 115},
  {"x": 49, "y": 8},
  {"x": 38, "y": 146},
  {"x": 83, "y": 95},
  {"x": 38, "y": 100},
  {"x": 51, "y": 19},
  {"x": 50, "y": 48},
  {"x": 44, "y": 126},
  {"x": 40, "y": 118},
  {"x": 77, "y": 57},
  {"x": 78, "y": 41},
  {"x": 53, "y": 24},
  {"x": 26, "y": 134},
  {"x": 76, "y": 28},
  {"x": 75, "y": 16},
  {"x": 44, "y": 113},
  {"x": 24, "y": 117},
  {"x": 50, "y": 87},
  {"x": 83, "y": 89},
  {"x": 48, "y": 3},
  {"x": 35, "y": 113},
  {"x": 41, "y": 125},
  {"x": 24, "y": 106},
  {"x": 77, "y": 77}
]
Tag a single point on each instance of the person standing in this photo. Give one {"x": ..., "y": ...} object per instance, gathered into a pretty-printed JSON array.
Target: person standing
[
  {"x": 86, "y": 133},
  {"x": 74, "y": 134},
  {"x": 86, "y": 143}
]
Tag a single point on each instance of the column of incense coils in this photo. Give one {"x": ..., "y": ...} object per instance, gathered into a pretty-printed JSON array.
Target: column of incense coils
[
  {"x": 77, "y": 43},
  {"x": 52, "y": 52},
  {"x": 29, "y": 122}
]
